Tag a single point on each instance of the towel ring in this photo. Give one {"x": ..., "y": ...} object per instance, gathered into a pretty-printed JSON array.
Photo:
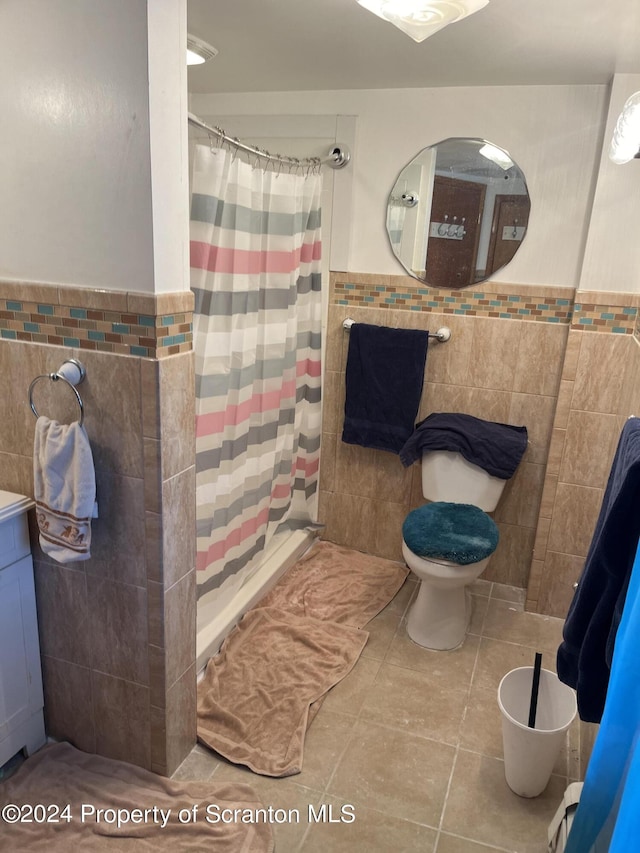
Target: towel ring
[{"x": 78, "y": 373}]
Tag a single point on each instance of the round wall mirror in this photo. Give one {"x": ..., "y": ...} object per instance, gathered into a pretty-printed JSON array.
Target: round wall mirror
[{"x": 458, "y": 213}]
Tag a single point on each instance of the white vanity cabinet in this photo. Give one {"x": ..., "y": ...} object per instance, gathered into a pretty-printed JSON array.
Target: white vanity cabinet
[{"x": 21, "y": 701}]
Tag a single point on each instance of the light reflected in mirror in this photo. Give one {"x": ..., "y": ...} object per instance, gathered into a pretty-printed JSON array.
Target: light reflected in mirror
[{"x": 458, "y": 213}]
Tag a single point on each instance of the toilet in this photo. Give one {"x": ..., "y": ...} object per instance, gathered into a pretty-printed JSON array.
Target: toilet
[{"x": 447, "y": 544}]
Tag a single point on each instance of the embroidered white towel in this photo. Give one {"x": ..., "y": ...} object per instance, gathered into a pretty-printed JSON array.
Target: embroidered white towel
[{"x": 64, "y": 489}]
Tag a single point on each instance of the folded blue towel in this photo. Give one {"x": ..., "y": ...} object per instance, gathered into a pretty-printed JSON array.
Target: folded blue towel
[
  {"x": 584, "y": 657},
  {"x": 384, "y": 376},
  {"x": 496, "y": 448}
]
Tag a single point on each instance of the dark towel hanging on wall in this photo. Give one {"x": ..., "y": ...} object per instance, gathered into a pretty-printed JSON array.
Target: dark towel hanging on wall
[
  {"x": 384, "y": 376},
  {"x": 584, "y": 657}
]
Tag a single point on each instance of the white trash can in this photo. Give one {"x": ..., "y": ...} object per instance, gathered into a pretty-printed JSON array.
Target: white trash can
[{"x": 530, "y": 753}]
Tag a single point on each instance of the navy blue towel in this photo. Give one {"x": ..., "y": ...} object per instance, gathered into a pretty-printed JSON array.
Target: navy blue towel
[
  {"x": 584, "y": 657},
  {"x": 385, "y": 372},
  {"x": 494, "y": 447}
]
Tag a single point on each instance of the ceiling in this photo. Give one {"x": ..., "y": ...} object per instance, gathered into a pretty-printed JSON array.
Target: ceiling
[{"x": 288, "y": 45}]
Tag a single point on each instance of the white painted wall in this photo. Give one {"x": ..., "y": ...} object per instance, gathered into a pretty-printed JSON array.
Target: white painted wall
[
  {"x": 81, "y": 188},
  {"x": 612, "y": 254},
  {"x": 554, "y": 133}
]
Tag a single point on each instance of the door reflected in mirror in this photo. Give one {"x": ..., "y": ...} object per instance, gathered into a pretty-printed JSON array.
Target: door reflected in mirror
[{"x": 458, "y": 213}]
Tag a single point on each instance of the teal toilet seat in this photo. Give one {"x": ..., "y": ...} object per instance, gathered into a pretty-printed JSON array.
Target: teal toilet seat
[{"x": 458, "y": 533}]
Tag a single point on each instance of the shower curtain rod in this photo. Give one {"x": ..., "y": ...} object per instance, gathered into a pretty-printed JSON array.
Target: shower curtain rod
[{"x": 337, "y": 157}]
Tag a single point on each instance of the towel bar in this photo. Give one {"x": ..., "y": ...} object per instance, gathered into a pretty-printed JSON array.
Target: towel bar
[
  {"x": 442, "y": 335},
  {"x": 73, "y": 373}
]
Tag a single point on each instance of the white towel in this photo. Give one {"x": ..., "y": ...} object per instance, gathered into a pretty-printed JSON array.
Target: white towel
[{"x": 64, "y": 489}]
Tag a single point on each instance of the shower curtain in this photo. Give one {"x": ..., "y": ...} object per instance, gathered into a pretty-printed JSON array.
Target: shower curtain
[{"x": 255, "y": 273}]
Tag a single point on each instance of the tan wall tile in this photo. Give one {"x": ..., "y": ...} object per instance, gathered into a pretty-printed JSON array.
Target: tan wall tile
[
  {"x": 119, "y": 629},
  {"x": 563, "y": 406},
  {"x": 511, "y": 561},
  {"x": 177, "y": 413},
  {"x": 349, "y": 520},
  {"x": 388, "y": 520},
  {"x": 492, "y": 363},
  {"x": 179, "y": 525},
  {"x": 571, "y": 355},
  {"x": 521, "y": 498},
  {"x": 533, "y": 586},
  {"x": 63, "y": 614},
  {"x": 540, "y": 357},
  {"x": 574, "y": 518},
  {"x": 113, "y": 412},
  {"x": 68, "y": 703},
  {"x": 180, "y": 720},
  {"x": 180, "y": 627},
  {"x": 120, "y": 735},
  {"x": 487, "y": 404},
  {"x": 560, "y": 572},
  {"x": 336, "y": 337},
  {"x": 548, "y": 495},
  {"x": 536, "y": 413},
  {"x": 556, "y": 449},
  {"x": 541, "y": 538},
  {"x": 449, "y": 362},
  {"x": 599, "y": 376},
  {"x": 328, "y": 461},
  {"x": 332, "y": 396},
  {"x": 629, "y": 403},
  {"x": 589, "y": 446},
  {"x": 150, "y": 393}
]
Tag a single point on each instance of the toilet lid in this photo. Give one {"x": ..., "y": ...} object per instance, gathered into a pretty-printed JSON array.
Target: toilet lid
[{"x": 459, "y": 533}]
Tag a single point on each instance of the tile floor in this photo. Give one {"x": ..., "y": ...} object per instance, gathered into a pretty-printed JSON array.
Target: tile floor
[{"x": 412, "y": 740}]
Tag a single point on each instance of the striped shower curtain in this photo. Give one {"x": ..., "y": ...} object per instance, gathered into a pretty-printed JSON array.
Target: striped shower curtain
[{"x": 255, "y": 273}]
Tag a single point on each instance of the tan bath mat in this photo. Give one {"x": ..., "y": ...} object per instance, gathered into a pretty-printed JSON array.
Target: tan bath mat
[
  {"x": 140, "y": 811},
  {"x": 254, "y": 700},
  {"x": 337, "y": 584}
]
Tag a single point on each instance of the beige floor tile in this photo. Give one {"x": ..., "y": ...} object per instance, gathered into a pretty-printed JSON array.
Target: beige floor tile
[
  {"x": 370, "y": 832},
  {"x": 412, "y": 701},
  {"x": 454, "y": 844},
  {"x": 381, "y": 630},
  {"x": 481, "y": 807},
  {"x": 396, "y": 773},
  {"x": 479, "y": 605},
  {"x": 481, "y": 729},
  {"x": 496, "y": 659},
  {"x": 504, "y": 592},
  {"x": 505, "y": 621},
  {"x": 348, "y": 696},
  {"x": 199, "y": 765},
  {"x": 405, "y": 594},
  {"x": 326, "y": 738},
  {"x": 481, "y": 587},
  {"x": 458, "y": 662},
  {"x": 294, "y": 799}
]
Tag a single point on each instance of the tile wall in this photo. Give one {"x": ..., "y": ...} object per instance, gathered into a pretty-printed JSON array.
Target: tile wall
[
  {"x": 599, "y": 390},
  {"x": 117, "y": 632},
  {"x": 503, "y": 363}
]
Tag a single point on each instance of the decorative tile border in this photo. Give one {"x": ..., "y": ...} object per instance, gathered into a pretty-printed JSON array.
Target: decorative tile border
[
  {"x": 614, "y": 319},
  {"x": 495, "y": 302},
  {"x": 102, "y": 328}
]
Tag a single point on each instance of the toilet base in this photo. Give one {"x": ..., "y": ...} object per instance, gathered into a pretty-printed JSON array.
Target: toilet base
[{"x": 438, "y": 618}]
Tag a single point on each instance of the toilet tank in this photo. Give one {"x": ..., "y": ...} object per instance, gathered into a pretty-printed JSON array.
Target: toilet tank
[{"x": 447, "y": 476}]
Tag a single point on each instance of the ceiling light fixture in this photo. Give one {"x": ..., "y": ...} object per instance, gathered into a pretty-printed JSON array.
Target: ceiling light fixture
[
  {"x": 625, "y": 144},
  {"x": 422, "y": 18},
  {"x": 199, "y": 51}
]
